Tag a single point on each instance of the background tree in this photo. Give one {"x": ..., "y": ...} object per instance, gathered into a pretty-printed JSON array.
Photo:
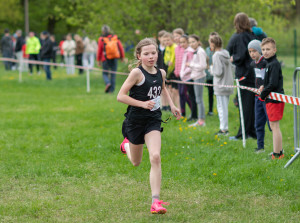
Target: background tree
[{"x": 277, "y": 17}]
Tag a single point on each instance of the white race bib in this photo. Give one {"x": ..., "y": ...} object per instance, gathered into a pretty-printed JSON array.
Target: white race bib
[{"x": 157, "y": 103}]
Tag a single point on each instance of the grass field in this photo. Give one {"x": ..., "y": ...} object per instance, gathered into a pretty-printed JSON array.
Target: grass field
[{"x": 60, "y": 161}]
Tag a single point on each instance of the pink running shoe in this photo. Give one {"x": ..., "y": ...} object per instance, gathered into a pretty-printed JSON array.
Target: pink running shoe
[
  {"x": 122, "y": 146},
  {"x": 156, "y": 207}
]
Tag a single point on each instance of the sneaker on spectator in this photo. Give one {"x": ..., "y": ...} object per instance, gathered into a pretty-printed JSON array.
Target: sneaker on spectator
[
  {"x": 190, "y": 119},
  {"x": 198, "y": 123},
  {"x": 224, "y": 133},
  {"x": 210, "y": 113},
  {"x": 259, "y": 150},
  {"x": 233, "y": 138},
  {"x": 107, "y": 87},
  {"x": 156, "y": 207}
]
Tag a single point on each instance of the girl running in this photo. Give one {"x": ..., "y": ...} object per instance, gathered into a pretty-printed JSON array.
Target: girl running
[{"x": 142, "y": 124}]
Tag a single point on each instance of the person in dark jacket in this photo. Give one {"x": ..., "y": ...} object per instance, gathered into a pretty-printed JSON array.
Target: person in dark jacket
[
  {"x": 46, "y": 53},
  {"x": 79, "y": 51},
  {"x": 54, "y": 49},
  {"x": 238, "y": 50},
  {"x": 18, "y": 48},
  {"x": 258, "y": 69},
  {"x": 258, "y": 32},
  {"x": 273, "y": 82},
  {"x": 7, "y": 48}
]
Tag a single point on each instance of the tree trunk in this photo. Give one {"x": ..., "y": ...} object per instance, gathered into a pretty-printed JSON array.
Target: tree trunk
[
  {"x": 298, "y": 10},
  {"x": 51, "y": 25}
]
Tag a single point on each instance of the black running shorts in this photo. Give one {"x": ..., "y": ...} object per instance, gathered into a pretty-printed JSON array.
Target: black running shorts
[{"x": 135, "y": 131}]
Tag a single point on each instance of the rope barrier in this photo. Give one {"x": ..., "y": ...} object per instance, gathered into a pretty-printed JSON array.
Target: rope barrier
[{"x": 272, "y": 95}]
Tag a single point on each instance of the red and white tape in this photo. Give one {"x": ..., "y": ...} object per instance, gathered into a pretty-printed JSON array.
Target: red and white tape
[{"x": 273, "y": 95}]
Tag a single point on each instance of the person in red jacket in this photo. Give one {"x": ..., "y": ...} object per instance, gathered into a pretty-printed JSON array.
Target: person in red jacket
[{"x": 110, "y": 49}]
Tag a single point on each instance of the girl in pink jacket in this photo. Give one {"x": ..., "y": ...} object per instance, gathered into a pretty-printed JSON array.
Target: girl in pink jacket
[{"x": 185, "y": 75}]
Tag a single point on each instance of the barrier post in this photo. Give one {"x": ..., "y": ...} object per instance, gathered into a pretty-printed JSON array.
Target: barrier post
[
  {"x": 88, "y": 89},
  {"x": 241, "y": 112},
  {"x": 20, "y": 69},
  {"x": 296, "y": 126}
]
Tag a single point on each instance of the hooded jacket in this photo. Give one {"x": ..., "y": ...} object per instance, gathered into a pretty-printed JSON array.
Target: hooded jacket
[
  {"x": 222, "y": 72},
  {"x": 198, "y": 64},
  {"x": 6, "y": 44}
]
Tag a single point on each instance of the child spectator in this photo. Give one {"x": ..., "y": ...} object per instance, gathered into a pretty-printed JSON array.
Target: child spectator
[
  {"x": 89, "y": 52},
  {"x": 198, "y": 66},
  {"x": 169, "y": 60},
  {"x": 161, "y": 50},
  {"x": 79, "y": 51},
  {"x": 69, "y": 47},
  {"x": 209, "y": 77},
  {"x": 161, "y": 64},
  {"x": 185, "y": 75},
  {"x": 258, "y": 69},
  {"x": 61, "y": 49},
  {"x": 25, "y": 56},
  {"x": 55, "y": 48},
  {"x": 222, "y": 73},
  {"x": 179, "y": 51},
  {"x": 273, "y": 82}
]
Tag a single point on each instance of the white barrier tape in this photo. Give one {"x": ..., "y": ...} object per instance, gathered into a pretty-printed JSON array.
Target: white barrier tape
[
  {"x": 60, "y": 65},
  {"x": 272, "y": 95}
]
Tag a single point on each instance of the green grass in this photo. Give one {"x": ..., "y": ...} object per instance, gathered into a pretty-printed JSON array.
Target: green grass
[{"x": 60, "y": 161}]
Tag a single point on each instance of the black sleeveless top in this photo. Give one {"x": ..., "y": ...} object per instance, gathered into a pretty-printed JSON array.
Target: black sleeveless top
[{"x": 149, "y": 89}]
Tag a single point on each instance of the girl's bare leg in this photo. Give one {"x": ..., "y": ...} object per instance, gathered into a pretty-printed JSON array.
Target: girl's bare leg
[{"x": 153, "y": 142}]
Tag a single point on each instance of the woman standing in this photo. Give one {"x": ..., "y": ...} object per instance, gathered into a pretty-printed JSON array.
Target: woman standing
[{"x": 238, "y": 50}]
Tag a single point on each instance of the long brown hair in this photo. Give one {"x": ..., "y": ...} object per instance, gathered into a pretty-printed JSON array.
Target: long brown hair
[
  {"x": 138, "y": 50},
  {"x": 217, "y": 41},
  {"x": 242, "y": 23},
  {"x": 197, "y": 38}
]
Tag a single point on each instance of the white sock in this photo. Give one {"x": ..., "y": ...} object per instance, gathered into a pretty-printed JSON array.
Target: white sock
[
  {"x": 155, "y": 197},
  {"x": 127, "y": 148}
]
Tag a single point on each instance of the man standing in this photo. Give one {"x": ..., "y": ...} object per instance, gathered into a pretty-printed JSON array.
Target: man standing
[
  {"x": 46, "y": 53},
  {"x": 18, "y": 49},
  {"x": 7, "y": 48},
  {"x": 110, "y": 49}
]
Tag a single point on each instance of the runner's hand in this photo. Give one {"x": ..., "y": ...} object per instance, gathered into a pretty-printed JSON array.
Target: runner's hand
[
  {"x": 148, "y": 104},
  {"x": 176, "y": 112}
]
